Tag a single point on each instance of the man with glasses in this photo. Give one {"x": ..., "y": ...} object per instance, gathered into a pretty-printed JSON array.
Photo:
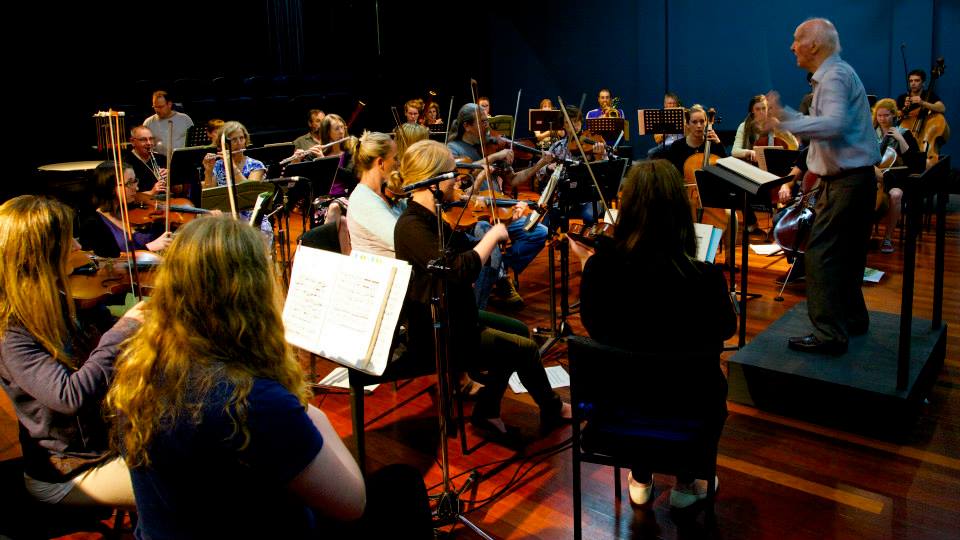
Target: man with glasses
[
  {"x": 467, "y": 133},
  {"x": 149, "y": 166},
  {"x": 164, "y": 117}
]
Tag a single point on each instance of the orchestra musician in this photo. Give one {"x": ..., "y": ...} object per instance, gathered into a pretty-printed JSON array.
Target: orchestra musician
[
  {"x": 695, "y": 139},
  {"x": 670, "y": 101},
  {"x": 407, "y": 134},
  {"x": 54, "y": 364},
  {"x": 432, "y": 116},
  {"x": 102, "y": 231},
  {"x": 467, "y": 133},
  {"x": 750, "y": 131},
  {"x": 411, "y": 110},
  {"x": 477, "y": 342},
  {"x": 546, "y": 138},
  {"x": 913, "y": 99},
  {"x": 245, "y": 168},
  {"x": 484, "y": 103},
  {"x": 565, "y": 149},
  {"x": 213, "y": 127},
  {"x": 894, "y": 141},
  {"x": 311, "y": 138},
  {"x": 333, "y": 131},
  {"x": 149, "y": 166},
  {"x": 211, "y": 410},
  {"x": 164, "y": 116},
  {"x": 605, "y": 100},
  {"x": 843, "y": 150},
  {"x": 654, "y": 242}
]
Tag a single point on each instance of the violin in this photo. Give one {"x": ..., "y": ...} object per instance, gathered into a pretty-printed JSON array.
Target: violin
[
  {"x": 460, "y": 216},
  {"x": 94, "y": 280},
  {"x": 588, "y": 140},
  {"x": 181, "y": 212},
  {"x": 793, "y": 230},
  {"x": 588, "y": 235}
]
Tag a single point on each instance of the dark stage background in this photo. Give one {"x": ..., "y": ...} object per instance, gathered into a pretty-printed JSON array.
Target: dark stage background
[{"x": 274, "y": 59}]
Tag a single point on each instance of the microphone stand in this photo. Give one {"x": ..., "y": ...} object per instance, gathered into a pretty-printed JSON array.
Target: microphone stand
[{"x": 448, "y": 510}]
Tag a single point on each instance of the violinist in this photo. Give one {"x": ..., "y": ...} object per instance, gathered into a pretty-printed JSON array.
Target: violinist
[
  {"x": 750, "y": 132},
  {"x": 914, "y": 99},
  {"x": 468, "y": 132},
  {"x": 407, "y": 134},
  {"x": 245, "y": 168},
  {"x": 843, "y": 150},
  {"x": 695, "y": 139},
  {"x": 373, "y": 214},
  {"x": 102, "y": 230},
  {"x": 411, "y": 110},
  {"x": 565, "y": 149},
  {"x": 149, "y": 166},
  {"x": 55, "y": 367},
  {"x": 477, "y": 342},
  {"x": 654, "y": 243},
  {"x": 894, "y": 141}
]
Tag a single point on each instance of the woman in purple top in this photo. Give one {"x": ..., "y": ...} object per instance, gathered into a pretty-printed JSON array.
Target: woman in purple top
[{"x": 55, "y": 370}]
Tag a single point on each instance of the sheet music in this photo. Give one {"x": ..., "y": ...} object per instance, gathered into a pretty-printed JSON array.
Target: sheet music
[
  {"x": 708, "y": 239},
  {"x": 335, "y": 305},
  {"x": 557, "y": 376},
  {"x": 746, "y": 170},
  {"x": 391, "y": 314}
]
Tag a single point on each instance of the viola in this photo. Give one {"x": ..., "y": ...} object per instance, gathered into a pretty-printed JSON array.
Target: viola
[
  {"x": 464, "y": 213},
  {"x": 793, "y": 230},
  {"x": 95, "y": 280}
]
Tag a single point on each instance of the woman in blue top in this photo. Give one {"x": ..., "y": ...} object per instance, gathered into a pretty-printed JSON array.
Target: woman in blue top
[{"x": 244, "y": 168}]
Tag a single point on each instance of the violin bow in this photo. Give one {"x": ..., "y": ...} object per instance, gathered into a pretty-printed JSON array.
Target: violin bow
[
  {"x": 513, "y": 125},
  {"x": 227, "y": 153},
  {"x": 446, "y": 137},
  {"x": 494, "y": 218},
  {"x": 166, "y": 212},
  {"x": 596, "y": 185},
  {"x": 115, "y": 134},
  {"x": 396, "y": 120}
]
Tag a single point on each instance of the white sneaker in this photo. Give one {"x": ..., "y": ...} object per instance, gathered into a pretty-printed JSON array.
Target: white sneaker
[
  {"x": 639, "y": 493},
  {"x": 683, "y": 497}
]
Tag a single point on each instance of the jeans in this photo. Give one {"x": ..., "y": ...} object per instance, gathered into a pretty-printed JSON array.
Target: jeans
[{"x": 524, "y": 247}]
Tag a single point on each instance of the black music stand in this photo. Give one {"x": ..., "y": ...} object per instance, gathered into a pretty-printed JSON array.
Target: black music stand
[
  {"x": 186, "y": 168},
  {"x": 608, "y": 127},
  {"x": 667, "y": 121},
  {"x": 778, "y": 160},
  {"x": 545, "y": 120},
  {"x": 271, "y": 155},
  {"x": 218, "y": 198},
  {"x": 320, "y": 173},
  {"x": 579, "y": 186},
  {"x": 720, "y": 187}
]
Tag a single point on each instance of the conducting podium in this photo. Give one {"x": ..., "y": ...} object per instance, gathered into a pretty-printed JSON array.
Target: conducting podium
[{"x": 730, "y": 184}]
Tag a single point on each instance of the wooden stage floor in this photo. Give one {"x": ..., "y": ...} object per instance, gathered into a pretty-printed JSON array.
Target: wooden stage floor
[{"x": 780, "y": 478}]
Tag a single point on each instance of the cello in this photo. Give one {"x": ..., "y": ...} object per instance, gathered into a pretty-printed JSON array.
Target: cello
[{"x": 700, "y": 160}]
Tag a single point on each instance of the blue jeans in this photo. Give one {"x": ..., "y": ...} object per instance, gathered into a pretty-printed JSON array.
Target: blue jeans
[{"x": 524, "y": 247}]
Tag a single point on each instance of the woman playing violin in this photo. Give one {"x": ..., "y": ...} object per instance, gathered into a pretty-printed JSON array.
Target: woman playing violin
[
  {"x": 476, "y": 345},
  {"x": 102, "y": 231},
  {"x": 750, "y": 132},
  {"x": 654, "y": 243},
  {"x": 55, "y": 368},
  {"x": 244, "y": 168}
]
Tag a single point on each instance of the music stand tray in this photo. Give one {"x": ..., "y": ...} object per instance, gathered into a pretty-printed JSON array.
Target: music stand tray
[
  {"x": 667, "y": 121},
  {"x": 218, "y": 198},
  {"x": 579, "y": 187},
  {"x": 186, "y": 165}
]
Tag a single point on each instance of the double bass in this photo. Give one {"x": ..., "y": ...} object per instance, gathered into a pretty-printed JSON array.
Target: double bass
[{"x": 928, "y": 127}]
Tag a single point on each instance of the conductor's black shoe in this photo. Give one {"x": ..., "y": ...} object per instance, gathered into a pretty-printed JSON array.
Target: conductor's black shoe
[{"x": 812, "y": 344}]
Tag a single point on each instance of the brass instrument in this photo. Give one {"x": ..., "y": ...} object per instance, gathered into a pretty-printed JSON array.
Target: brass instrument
[{"x": 613, "y": 111}]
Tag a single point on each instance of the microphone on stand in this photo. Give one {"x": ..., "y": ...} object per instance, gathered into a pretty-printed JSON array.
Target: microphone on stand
[{"x": 433, "y": 180}]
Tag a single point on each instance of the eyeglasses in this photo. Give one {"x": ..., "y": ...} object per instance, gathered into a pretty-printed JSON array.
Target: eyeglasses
[{"x": 131, "y": 183}]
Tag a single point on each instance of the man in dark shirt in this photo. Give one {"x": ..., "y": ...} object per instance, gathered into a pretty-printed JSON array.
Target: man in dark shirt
[{"x": 915, "y": 98}]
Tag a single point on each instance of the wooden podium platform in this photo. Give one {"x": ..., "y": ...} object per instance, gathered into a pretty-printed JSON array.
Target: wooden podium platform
[{"x": 855, "y": 391}]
